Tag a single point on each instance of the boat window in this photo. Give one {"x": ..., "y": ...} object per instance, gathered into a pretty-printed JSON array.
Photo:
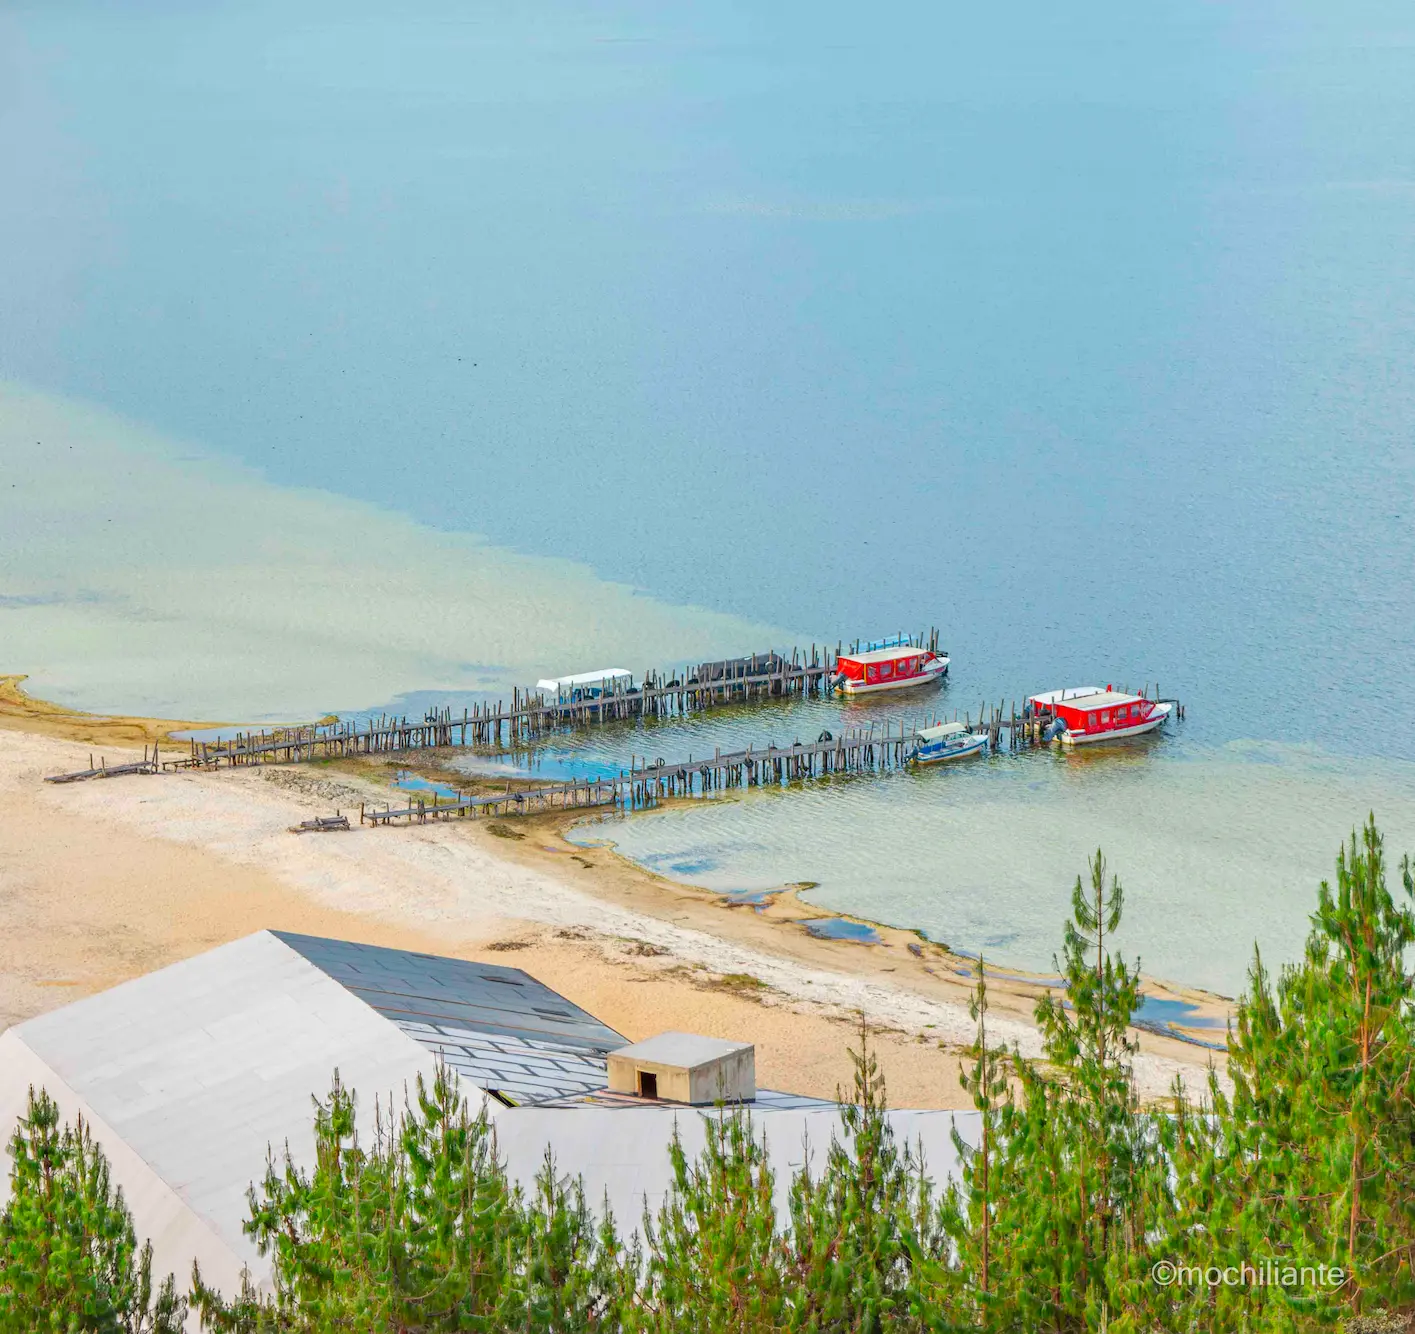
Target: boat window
[
  {"x": 872, "y": 674},
  {"x": 887, "y": 670},
  {"x": 1105, "y": 715}
]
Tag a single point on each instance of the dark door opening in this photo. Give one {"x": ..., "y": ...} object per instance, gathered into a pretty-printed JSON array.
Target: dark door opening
[{"x": 648, "y": 1085}]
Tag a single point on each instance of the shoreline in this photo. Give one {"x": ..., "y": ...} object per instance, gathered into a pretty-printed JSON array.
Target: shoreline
[
  {"x": 643, "y": 952},
  {"x": 953, "y": 973}
]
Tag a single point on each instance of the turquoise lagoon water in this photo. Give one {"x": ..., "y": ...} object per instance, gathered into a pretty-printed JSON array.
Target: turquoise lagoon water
[
  {"x": 1220, "y": 847},
  {"x": 1085, "y": 335}
]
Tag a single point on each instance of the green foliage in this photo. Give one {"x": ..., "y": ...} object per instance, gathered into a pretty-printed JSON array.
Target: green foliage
[
  {"x": 418, "y": 1232},
  {"x": 713, "y": 1254},
  {"x": 718, "y": 1258},
  {"x": 1068, "y": 1203},
  {"x": 1323, "y": 1112},
  {"x": 69, "y": 1259},
  {"x": 859, "y": 1233}
]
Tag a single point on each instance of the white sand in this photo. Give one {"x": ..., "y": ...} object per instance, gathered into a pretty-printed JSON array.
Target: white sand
[{"x": 442, "y": 884}]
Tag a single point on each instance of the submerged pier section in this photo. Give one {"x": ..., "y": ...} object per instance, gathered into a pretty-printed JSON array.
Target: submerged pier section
[{"x": 860, "y": 750}]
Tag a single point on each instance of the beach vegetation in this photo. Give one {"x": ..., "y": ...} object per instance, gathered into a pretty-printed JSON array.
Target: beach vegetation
[
  {"x": 69, "y": 1258},
  {"x": 1277, "y": 1202}
]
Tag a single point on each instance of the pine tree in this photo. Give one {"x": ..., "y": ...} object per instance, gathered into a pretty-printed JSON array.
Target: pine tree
[
  {"x": 713, "y": 1258},
  {"x": 420, "y": 1231},
  {"x": 1324, "y": 1108},
  {"x": 1097, "y": 1109},
  {"x": 569, "y": 1263},
  {"x": 1076, "y": 1185},
  {"x": 69, "y": 1258},
  {"x": 970, "y": 1203},
  {"x": 860, "y": 1233}
]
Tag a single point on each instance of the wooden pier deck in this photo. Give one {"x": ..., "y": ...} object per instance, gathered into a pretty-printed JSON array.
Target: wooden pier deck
[
  {"x": 876, "y": 748},
  {"x": 859, "y": 750},
  {"x": 102, "y": 770},
  {"x": 526, "y": 801},
  {"x": 667, "y": 694}
]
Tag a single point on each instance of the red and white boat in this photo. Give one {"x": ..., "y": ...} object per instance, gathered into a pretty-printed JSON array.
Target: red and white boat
[
  {"x": 1083, "y": 714},
  {"x": 895, "y": 668}
]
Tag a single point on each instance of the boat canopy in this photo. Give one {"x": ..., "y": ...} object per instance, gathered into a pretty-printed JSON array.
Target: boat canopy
[
  {"x": 1103, "y": 699},
  {"x": 887, "y": 654},
  {"x": 603, "y": 677},
  {"x": 942, "y": 730},
  {"x": 1064, "y": 696}
]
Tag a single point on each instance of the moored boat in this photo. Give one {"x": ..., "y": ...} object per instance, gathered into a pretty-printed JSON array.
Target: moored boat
[
  {"x": 894, "y": 668},
  {"x": 1081, "y": 715},
  {"x": 946, "y": 741}
]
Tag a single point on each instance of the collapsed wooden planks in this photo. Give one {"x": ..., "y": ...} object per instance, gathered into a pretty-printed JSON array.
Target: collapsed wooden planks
[
  {"x": 527, "y": 801},
  {"x": 322, "y": 824},
  {"x": 148, "y": 765}
]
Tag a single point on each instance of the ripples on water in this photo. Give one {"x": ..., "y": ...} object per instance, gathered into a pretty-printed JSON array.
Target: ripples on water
[
  {"x": 1217, "y": 846},
  {"x": 1084, "y": 331}
]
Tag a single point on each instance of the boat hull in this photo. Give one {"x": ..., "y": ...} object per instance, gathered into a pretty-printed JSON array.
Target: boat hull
[
  {"x": 978, "y": 747},
  {"x": 1156, "y": 720},
  {"x": 850, "y": 688}
]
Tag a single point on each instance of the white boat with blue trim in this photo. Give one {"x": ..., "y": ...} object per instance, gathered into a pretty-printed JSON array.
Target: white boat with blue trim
[{"x": 947, "y": 741}]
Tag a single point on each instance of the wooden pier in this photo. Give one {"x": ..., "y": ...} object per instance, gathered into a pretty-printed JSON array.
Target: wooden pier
[
  {"x": 667, "y": 694},
  {"x": 526, "y": 801},
  {"x": 102, "y": 770},
  {"x": 860, "y": 750},
  {"x": 877, "y": 748}
]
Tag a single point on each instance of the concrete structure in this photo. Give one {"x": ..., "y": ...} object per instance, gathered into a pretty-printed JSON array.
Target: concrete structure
[
  {"x": 191, "y": 1076},
  {"x": 683, "y": 1067}
]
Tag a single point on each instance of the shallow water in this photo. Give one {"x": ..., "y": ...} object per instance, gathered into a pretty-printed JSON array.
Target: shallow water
[
  {"x": 1218, "y": 847},
  {"x": 1083, "y": 334}
]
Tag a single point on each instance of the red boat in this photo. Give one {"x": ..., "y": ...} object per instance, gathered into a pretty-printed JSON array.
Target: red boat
[
  {"x": 894, "y": 668},
  {"x": 1082, "y": 714}
]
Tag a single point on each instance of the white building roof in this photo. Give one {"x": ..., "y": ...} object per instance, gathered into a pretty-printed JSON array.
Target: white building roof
[
  {"x": 190, "y": 1075},
  {"x": 688, "y": 1050},
  {"x": 499, "y": 1028}
]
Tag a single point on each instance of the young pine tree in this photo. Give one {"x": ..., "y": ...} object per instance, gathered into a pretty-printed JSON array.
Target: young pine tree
[
  {"x": 570, "y": 1264},
  {"x": 713, "y": 1257},
  {"x": 860, "y": 1234},
  {"x": 967, "y": 1277},
  {"x": 420, "y": 1231},
  {"x": 1323, "y": 1067},
  {"x": 69, "y": 1259},
  {"x": 1076, "y": 1185}
]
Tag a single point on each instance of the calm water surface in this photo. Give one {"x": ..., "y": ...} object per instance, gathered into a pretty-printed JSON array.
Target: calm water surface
[
  {"x": 1219, "y": 847},
  {"x": 1086, "y": 335}
]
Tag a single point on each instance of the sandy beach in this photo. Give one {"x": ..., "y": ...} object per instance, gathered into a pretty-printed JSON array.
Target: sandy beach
[{"x": 104, "y": 880}]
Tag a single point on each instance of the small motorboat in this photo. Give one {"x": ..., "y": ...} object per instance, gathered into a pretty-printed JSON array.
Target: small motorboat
[
  {"x": 947, "y": 741},
  {"x": 891, "y": 668},
  {"x": 1080, "y": 715}
]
